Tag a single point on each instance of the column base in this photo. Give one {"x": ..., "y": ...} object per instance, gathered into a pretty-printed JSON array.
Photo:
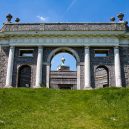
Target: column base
[
  {"x": 7, "y": 87},
  {"x": 88, "y": 88},
  {"x": 118, "y": 86},
  {"x": 36, "y": 87}
]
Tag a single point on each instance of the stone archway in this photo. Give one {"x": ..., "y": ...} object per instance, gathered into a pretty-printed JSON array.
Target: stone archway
[
  {"x": 64, "y": 49},
  {"x": 56, "y": 51},
  {"x": 24, "y": 76},
  {"x": 101, "y": 77}
]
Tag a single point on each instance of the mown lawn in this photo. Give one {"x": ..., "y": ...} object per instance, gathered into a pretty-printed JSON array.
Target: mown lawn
[{"x": 64, "y": 109}]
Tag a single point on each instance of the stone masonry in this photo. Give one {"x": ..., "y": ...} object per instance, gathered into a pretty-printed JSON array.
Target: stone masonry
[
  {"x": 40, "y": 42},
  {"x": 3, "y": 64}
]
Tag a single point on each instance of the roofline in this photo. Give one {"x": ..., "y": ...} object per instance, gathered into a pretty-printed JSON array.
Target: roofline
[
  {"x": 64, "y": 26},
  {"x": 60, "y": 32},
  {"x": 47, "y": 23}
]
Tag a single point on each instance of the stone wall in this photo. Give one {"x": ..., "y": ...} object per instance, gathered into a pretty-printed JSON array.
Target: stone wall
[
  {"x": 4, "y": 51},
  {"x": 64, "y": 27},
  {"x": 108, "y": 62},
  {"x": 102, "y": 61},
  {"x": 124, "y": 58},
  {"x": 20, "y": 61},
  {"x": 63, "y": 77},
  {"x": 79, "y": 51}
]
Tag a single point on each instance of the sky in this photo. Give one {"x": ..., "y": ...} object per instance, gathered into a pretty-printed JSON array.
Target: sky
[
  {"x": 69, "y": 61},
  {"x": 63, "y": 10}
]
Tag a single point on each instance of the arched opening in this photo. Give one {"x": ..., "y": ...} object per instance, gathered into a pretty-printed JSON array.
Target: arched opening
[
  {"x": 63, "y": 69},
  {"x": 101, "y": 77},
  {"x": 24, "y": 76},
  {"x": 70, "y": 61}
]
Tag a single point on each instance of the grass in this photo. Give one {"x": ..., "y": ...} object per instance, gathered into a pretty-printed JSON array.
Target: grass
[{"x": 64, "y": 109}]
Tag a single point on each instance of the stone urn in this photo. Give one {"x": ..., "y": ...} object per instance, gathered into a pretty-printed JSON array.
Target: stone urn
[
  {"x": 120, "y": 16},
  {"x": 9, "y": 17}
]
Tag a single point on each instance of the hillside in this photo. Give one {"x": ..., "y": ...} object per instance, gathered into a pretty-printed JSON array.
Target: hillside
[{"x": 64, "y": 109}]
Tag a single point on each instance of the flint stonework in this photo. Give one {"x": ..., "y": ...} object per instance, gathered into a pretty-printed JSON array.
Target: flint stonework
[{"x": 81, "y": 40}]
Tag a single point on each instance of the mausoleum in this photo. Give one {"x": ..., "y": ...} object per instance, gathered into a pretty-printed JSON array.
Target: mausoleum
[{"x": 101, "y": 51}]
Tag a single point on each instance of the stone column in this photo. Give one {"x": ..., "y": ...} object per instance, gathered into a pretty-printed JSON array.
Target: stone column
[
  {"x": 87, "y": 69},
  {"x": 78, "y": 76},
  {"x": 39, "y": 67},
  {"x": 117, "y": 67},
  {"x": 0, "y": 48},
  {"x": 47, "y": 75},
  {"x": 10, "y": 67}
]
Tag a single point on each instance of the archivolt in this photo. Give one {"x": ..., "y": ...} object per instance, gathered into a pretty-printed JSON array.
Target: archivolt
[{"x": 64, "y": 49}]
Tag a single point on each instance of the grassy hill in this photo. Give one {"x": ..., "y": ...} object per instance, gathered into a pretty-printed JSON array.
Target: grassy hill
[{"x": 64, "y": 109}]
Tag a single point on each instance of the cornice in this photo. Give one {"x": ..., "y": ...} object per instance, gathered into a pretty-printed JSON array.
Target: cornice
[
  {"x": 60, "y": 34},
  {"x": 87, "y": 41},
  {"x": 69, "y": 38}
]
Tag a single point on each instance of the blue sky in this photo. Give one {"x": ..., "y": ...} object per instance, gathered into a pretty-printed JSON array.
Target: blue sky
[
  {"x": 70, "y": 61},
  {"x": 63, "y": 10}
]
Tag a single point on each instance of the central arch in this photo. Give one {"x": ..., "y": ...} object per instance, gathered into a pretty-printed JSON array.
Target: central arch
[
  {"x": 64, "y": 49},
  {"x": 56, "y": 51}
]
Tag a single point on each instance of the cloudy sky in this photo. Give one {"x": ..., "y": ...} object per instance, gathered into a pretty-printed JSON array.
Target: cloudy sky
[{"x": 63, "y": 10}]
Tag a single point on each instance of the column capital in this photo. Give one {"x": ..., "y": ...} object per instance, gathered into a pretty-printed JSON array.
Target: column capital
[
  {"x": 87, "y": 47},
  {"x": 40, "y": 47},
  {"x": 78, "y": 63},
  {"x": 12, "y": 47},
  {"x": 48, "y": 64},
  {"x": 116, "y": 47}
]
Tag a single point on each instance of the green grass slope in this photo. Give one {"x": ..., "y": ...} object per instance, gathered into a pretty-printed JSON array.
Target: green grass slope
[{"x": 64, "y": 109}]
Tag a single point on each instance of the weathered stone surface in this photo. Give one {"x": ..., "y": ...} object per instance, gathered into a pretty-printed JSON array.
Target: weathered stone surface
[
  {"x": 124, "y": 59},
  {"x": 64, "y": 27},
  {"x": 107, "y": 62},
  {"x": 3, "y": 65},
  {"x": 20, "y": 61},
  {"x": 72, "y": 38},
  {"x": 65, "y": 77},
  {"x": 79, "y": 51}
]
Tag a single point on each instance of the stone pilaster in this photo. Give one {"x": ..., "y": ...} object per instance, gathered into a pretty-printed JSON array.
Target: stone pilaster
[
  {"x": 117, "y": 67},
  {"x": 87, "y": 69},
  {"x": 10, "y": 67},
  {"x": 47, "y": 75},
  {"x": 39, "y": 67},
  {"x": 78, "y": 76}
]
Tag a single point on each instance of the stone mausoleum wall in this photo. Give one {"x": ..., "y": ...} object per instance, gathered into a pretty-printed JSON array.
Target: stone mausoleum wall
[
  {"x": 80, "y": 52},
  {"x": 79, "y": 39},
  {"x": 20, "y": 61},
  {"x": 124, "y": 57},
  {"x": 4, "y": 51},
  {"x": 95, "y": 62},
  {"x": 108, "y": 62}
]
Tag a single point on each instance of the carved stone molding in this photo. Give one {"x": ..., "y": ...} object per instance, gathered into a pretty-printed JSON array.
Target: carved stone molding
[{"x": 62, "y": 41}]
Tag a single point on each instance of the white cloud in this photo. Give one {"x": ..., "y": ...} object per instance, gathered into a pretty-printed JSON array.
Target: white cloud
[
  {"x": 41, "y": 18},
  {"x": 71, "y": 5}
]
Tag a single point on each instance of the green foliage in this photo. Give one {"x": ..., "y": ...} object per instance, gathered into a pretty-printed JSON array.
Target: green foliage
[{"x": 43, "y": 108}]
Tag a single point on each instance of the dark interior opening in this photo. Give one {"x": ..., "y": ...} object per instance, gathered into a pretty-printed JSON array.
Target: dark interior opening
[{"x": 65, "y": 86}]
